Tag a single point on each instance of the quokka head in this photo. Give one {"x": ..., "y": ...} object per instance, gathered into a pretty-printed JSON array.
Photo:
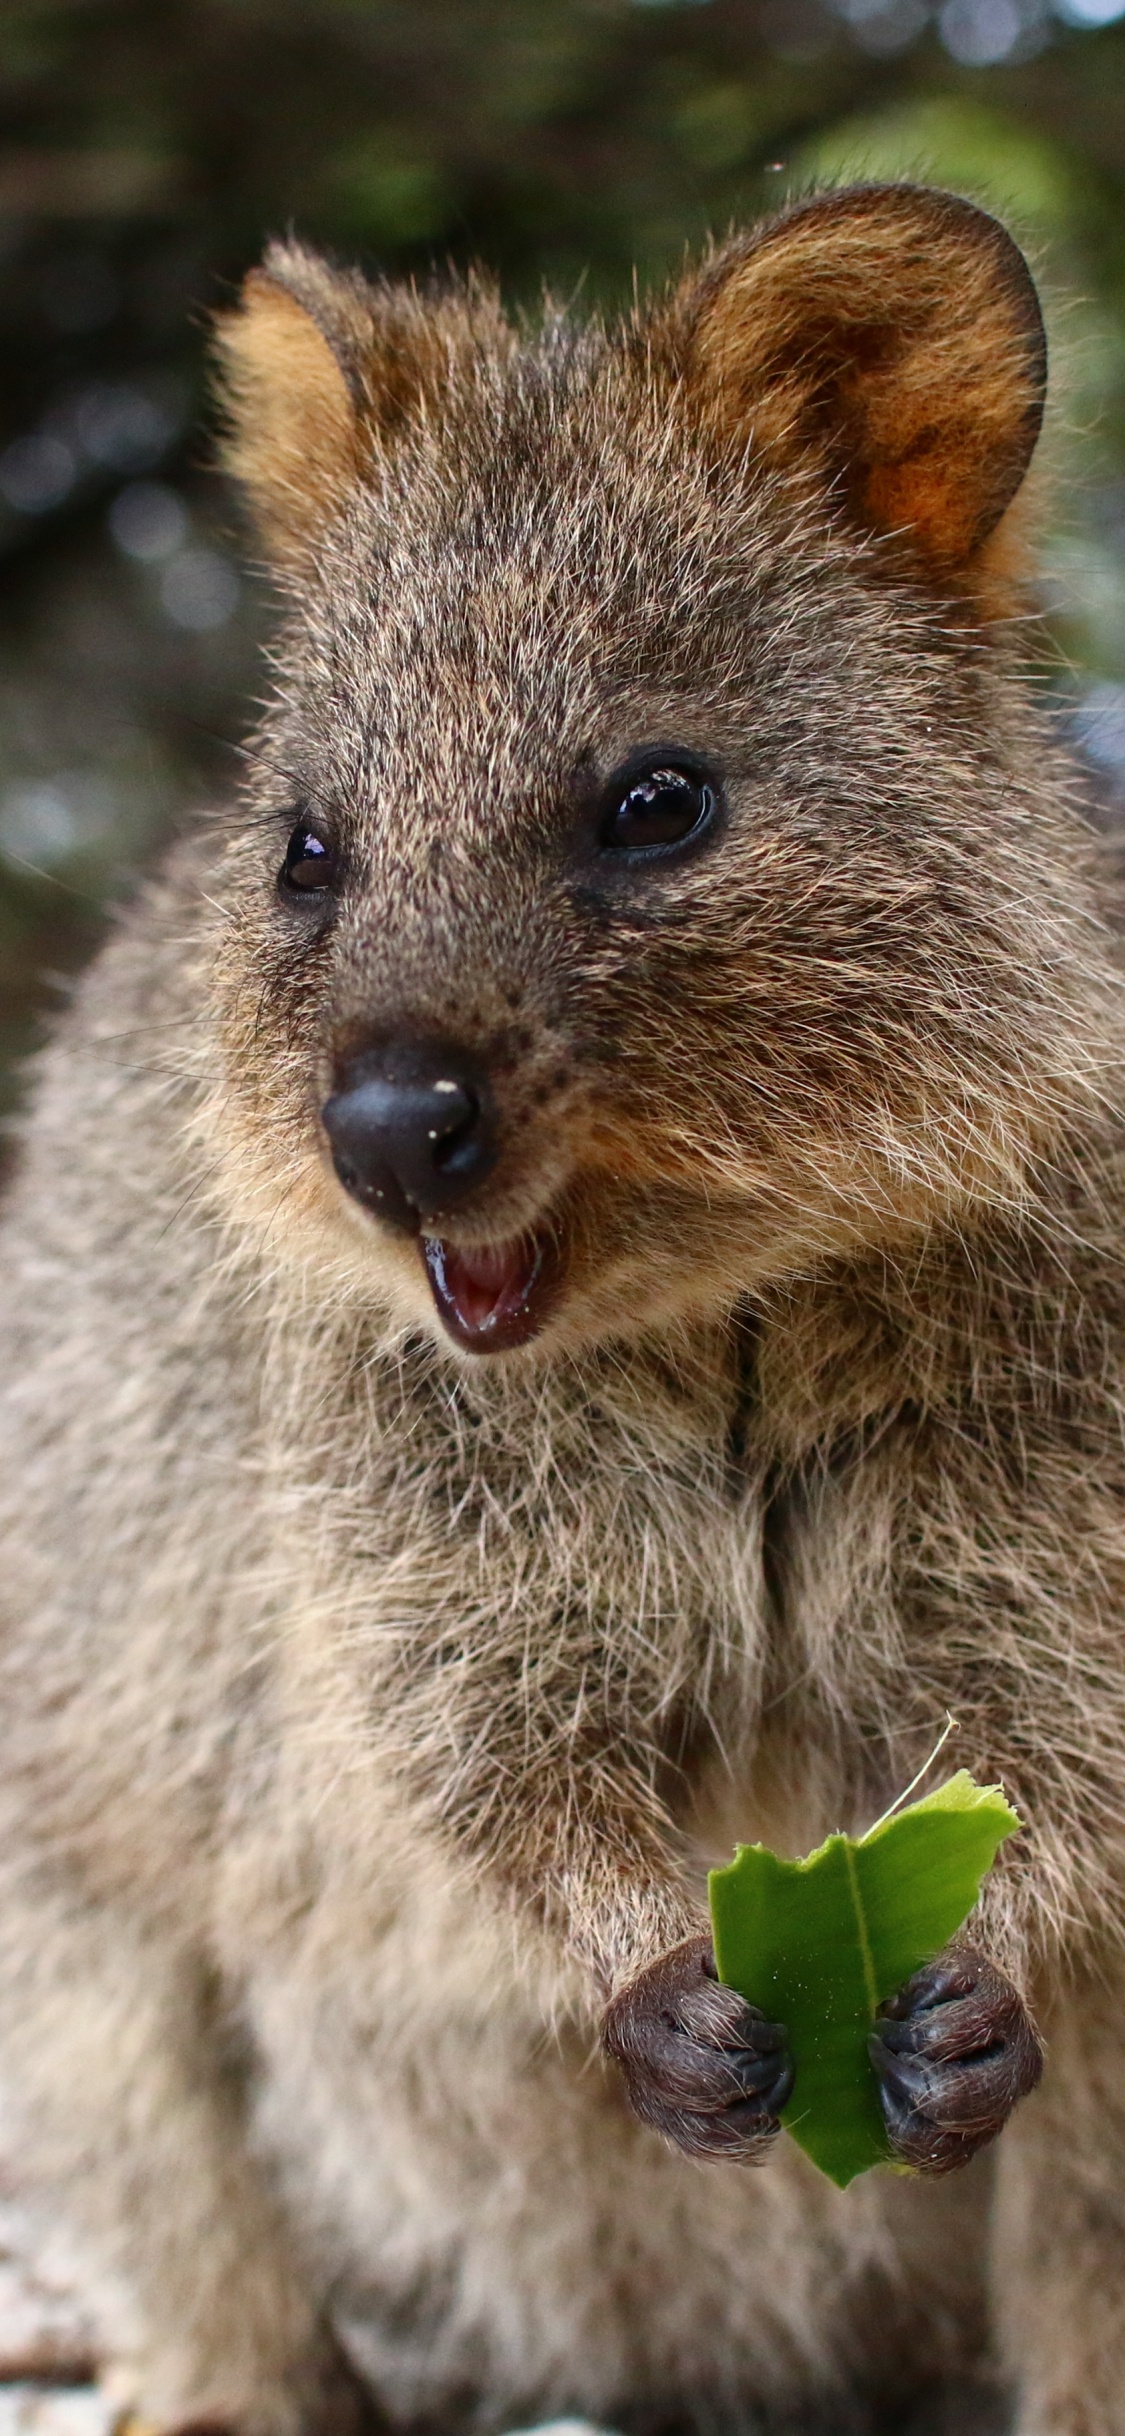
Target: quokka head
[{"x": 643, "y": 892}]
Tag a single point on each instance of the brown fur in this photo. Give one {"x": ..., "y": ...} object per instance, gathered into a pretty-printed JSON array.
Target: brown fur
[
  {"x": 913, "y": 374},
  {"x": 369, "y": 1715}
]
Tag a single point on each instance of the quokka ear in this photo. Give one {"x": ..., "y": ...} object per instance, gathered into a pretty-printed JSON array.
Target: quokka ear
[
  {"x": 289, "y": 369},
  {"x": 887, "y": 339},
  {"x": 319, "y": 371}
]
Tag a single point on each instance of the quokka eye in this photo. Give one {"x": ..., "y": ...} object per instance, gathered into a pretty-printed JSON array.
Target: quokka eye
[
  {"x": 310, "y": 865},
  {"x": 656, "y": 808}
]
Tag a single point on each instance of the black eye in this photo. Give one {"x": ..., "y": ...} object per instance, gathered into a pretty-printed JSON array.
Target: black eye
[
  {"x": 310, "y": 864},
  {"x": 663, "y": 806}
]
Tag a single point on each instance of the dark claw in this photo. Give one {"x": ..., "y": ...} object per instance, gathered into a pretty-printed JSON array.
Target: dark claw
[
  {"x": 953, "y": 2050},
  {"x": 699, "y": 2064}
]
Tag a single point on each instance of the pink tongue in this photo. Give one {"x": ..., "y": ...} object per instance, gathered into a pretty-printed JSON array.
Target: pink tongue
[
  {"x": 485, "y": 1285},
  {"x": 486, "y": 1295}
]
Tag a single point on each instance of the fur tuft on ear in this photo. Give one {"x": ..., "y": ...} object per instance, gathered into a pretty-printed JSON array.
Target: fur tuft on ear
[
  {"x": 319, "y": 373},
  {"x": 887, "y": 340}
]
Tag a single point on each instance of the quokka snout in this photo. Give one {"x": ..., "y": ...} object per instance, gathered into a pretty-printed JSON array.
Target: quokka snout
[{"x": 564, "y": 1305}]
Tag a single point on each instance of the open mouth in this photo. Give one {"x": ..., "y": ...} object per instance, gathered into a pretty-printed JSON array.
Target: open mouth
[{"x": 492, "y": 1297}]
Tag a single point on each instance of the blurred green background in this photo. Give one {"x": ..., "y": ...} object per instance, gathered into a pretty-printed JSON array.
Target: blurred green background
[{"x": 147, "y": 148}]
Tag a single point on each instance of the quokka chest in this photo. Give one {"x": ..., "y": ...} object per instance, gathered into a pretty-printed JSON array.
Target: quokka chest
[{"x": 629, "y": 1530}]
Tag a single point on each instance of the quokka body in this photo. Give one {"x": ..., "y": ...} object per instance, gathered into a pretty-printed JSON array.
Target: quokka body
[{"x": 563, "y": 1305}]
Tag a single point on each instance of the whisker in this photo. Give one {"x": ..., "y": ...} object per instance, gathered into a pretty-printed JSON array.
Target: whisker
[{"x": 193, "y": 1194}]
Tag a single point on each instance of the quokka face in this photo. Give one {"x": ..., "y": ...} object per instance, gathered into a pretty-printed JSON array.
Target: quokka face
[{"x": 635, "y": 902}]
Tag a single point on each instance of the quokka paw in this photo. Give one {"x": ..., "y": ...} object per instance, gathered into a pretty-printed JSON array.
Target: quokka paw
[
  {"x": 953, "y": 2052},
  {"x": 699, "y": 2063}
]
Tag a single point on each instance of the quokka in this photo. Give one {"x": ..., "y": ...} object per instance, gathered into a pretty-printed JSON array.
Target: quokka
[{"x": 564, "y": 1303}]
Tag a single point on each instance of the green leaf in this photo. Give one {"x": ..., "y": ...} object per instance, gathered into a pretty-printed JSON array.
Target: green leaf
[{"x": 820, "y": 1944}]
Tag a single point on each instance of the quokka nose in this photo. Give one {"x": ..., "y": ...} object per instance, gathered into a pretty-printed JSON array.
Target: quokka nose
[{"x": 412, "y": 1129}]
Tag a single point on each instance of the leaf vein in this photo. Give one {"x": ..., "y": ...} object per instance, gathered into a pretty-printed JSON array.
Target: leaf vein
[{"x": 866, "y": 1954}]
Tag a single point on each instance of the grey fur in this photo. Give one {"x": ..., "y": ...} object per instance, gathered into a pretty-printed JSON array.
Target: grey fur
[{"x": 369, "y": 1717}]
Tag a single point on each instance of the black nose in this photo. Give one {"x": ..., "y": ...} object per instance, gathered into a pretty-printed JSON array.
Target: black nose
[{"x": 412, "y": 1129}]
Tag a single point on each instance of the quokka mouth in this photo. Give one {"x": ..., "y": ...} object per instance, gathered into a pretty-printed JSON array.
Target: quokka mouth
[{"x": 492, "y": 1298}]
